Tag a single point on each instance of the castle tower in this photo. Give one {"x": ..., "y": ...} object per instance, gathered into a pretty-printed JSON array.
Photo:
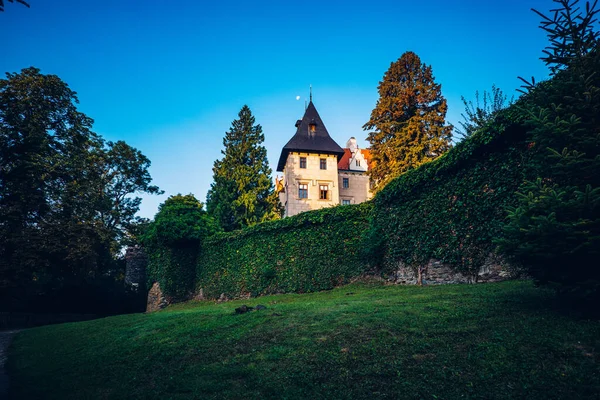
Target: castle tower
[{"x": 309, "y": 162}]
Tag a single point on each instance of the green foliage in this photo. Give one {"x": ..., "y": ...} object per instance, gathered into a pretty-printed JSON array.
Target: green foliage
[
  {"x": 312, "y": 251},
  {"x": 242, "y": 193},
  {"x": 555, "y": 233},
  {"x": 123, "y": 171},
  {"x": 65, "y": 194},
  {"x": 408, "y": 121},
  {"x": 362, "y": 341},
  {"x": 172, "y": 242},
  {"x": 570, "y": 32},
  {"x": 554, "y": 230},
  {"x": 478, "y": 115},
  {"x": 181, "y": 219},
  {"x": 451, "y": 209}
]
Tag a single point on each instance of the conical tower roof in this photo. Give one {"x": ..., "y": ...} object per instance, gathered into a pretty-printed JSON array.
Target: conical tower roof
[{"x": 308, "y": 141}]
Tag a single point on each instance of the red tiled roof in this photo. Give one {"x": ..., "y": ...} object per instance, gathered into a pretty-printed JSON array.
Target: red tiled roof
[{"x": 344, "y": 163}]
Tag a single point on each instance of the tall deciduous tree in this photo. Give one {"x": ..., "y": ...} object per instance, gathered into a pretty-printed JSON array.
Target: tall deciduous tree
[
  {"x": 242, "y": 193},
  {"x": 65, "y": 195},
  {"x": 408, "y": 123}
]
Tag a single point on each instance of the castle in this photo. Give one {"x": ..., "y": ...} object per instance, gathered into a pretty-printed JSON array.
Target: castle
[{"x": 317, "y": 172}]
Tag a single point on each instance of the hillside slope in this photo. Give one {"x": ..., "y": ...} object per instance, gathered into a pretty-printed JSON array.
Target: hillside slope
[{"x": 360, "y": 341}]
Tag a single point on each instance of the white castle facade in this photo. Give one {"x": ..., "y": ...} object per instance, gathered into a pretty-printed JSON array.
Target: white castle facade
[{"x": 317, "y": 172}]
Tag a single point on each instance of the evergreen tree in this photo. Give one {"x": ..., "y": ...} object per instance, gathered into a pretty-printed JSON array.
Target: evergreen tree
[
  {"x": 242, "y": 193},
  {"x": 554, "y": 232},
  {"x": 408, "y": 121}
]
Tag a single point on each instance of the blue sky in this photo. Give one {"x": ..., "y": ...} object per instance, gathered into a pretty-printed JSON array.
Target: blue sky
[{"x": 169, "y": 77}]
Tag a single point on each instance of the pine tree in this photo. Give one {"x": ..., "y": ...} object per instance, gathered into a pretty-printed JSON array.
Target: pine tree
[
  {"x": 242, "y": 193},
  {"x": 554, "y": 232},
  {"x": 408, "y": 121}
]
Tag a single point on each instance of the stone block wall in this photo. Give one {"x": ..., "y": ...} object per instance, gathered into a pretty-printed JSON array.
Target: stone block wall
[
  {"x": 135, "y": 268},
  {"x": 156, "y": 299},
  {"x": 437, "y": 273}
]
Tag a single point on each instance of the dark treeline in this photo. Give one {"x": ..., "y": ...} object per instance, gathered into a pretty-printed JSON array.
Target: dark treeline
[{"x": 66, "y": 204}]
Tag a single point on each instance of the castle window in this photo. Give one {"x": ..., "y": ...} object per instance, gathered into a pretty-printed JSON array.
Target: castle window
[
  {"x": 323, "y": 192},
  {"x": 323, "y": 163},
  {"x": 358, "y": 163},
  {"x": 345, "y": 202},
  {"x": 302, "y": 162},
  {"x": 303, "y": 191},
  {"x": 345, "y": 183}
]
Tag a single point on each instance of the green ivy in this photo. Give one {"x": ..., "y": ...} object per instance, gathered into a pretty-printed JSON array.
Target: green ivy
[
  {"x": 172, "y": 242},
  {"x": 453, "y": 209},
  {"x": 312, "y": 251}
]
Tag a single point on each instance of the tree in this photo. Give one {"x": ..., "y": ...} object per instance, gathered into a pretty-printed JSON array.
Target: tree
[
  {"x": 65, "y": 194},
  {"x": 242, "y": 193},
  {"x": 123, "y": 171},
  {"x": 554, "y": 232},
  {"x": 408, "y": 121},
  {"x": 479, "y": 114},
  {"x": 173, "y": 241},
  {"x": 180, "y": 219},
  {"x": 570, "y": 32},
  {"x": 11, "y": 1}
]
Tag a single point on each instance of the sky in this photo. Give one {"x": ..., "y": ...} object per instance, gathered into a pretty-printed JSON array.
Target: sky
[{"x": 169, "y": 77}]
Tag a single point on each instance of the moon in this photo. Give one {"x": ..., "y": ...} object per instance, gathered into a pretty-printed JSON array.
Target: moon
[{"x": 297, "y": 97}]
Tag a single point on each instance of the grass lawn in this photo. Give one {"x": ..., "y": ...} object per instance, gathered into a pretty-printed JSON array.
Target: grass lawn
[{"x": 500, "y": 340}]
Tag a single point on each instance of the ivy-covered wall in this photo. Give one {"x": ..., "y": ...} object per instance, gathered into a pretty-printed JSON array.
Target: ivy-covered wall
[
  {"x": 452, "y": 209},
  {"x": 312, "y": 251}
]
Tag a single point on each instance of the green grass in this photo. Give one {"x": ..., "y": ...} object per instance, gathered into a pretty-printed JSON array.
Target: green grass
[{"x": 360, "y": 341}]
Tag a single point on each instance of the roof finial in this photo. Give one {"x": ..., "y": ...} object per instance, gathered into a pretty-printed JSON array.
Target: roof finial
[{"x": 311, "y": 93}]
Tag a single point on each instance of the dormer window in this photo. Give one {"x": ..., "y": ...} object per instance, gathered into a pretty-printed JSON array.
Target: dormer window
[{"x": 312, "y": 126}]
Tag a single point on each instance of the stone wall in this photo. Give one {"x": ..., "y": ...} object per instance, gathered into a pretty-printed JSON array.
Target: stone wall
[
  {"x": 135, "y": 268},
  {"x": 156, "y": 299},
  {"x": 437, "y": 273}
]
